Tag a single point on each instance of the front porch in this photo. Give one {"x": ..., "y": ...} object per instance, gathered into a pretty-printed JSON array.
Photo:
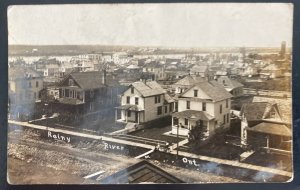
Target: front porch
[
  {"x": 183, "y": 122},
  {"x": 129, "y": 113}
]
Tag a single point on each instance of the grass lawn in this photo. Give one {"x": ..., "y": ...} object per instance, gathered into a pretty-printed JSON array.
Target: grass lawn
[
  {"x": 273, "y": 160},
  {"x": 156, "y": 133}
]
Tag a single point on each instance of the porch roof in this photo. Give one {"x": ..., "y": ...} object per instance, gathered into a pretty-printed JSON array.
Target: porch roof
[
  {"x": 193, "y": 115},
  {"x": 271, "y": 128},
  {"x": 129, "y": 107}
]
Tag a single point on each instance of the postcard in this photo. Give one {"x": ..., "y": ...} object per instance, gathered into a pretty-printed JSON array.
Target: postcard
[{"x": 150, "y": 93}]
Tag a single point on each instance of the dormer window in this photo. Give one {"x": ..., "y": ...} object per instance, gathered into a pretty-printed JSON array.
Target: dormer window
[
  {"x": 195, "y": 93},
  {"x": 71, "y": 82},
  {"x": 132, "y": 90}
]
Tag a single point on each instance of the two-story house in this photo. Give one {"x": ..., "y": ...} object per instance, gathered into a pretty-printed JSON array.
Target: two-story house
[
  {"x": 155, "y": 68},
  {"x": 89, "y": 94},
  {"x": 24, "y": 86},
  {"x": 143, "y": 102},
  {"x": 207, "y": 103}
]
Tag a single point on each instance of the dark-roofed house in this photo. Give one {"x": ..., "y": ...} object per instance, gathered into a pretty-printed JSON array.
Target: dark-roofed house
[
  {"x": 143, "y": 102},
  {"x": 207, "y": 103},
  {"x": 232, "y": 86},
  {"x": 262, "y": 126},
  {"x": 89, "y": 94},
  {"x": 24, "y": 86},
  {"x": 142, "y": 172}
]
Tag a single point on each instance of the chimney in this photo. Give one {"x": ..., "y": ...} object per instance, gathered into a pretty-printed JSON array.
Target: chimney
[{"x": 104, "y": 77}]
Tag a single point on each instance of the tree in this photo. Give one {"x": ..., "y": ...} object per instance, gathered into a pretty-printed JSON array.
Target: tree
[{"x": 197, "y": 133}]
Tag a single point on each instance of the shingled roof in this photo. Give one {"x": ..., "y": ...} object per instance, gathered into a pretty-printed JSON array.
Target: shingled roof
[
  {"x": 142, "y": 172},
  {"x": 229, "y": 83},
  {"x": 22, "y": 73},
  {"x": 91, "y": 80},
  {"x": 188, "y": 81},
  {"x": 212, "y": 89},
  {"x": 150, "y": 88},
  {"x": 255, "y": 110},
  {"x": 200, "y": 69}
]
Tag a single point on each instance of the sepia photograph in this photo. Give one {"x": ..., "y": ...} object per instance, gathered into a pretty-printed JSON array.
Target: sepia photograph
[{"x": 150, "y": 93}]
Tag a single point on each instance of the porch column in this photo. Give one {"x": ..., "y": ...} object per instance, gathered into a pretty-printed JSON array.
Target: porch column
[
  {"x": 126, "y": 116},
  {"x": 138, "y": 117},
  {"x": 268, "y": 141},
  {"x": 116, "y": 114},
  {"x": 172, "y": 121}
]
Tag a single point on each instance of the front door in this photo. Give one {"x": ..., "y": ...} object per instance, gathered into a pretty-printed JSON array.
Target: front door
[{"x": 136, "y": 117}]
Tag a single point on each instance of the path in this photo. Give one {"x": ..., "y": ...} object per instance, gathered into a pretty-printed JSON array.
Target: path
[{"x": 181, "y": 153}]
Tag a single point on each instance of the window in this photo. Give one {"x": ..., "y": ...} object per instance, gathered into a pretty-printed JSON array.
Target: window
[
  {"x": 37, "y": 84},
  {"x": 176, "y": 106},
  {"x": 171, "y": 107},
  {"x": 128, "y": 100},
  {"x": 91, "y": 93},
  {"x": 221, "y": 108},
  {"x": 175, "y": 121},
  {"x": 136, "y": 101},
  {"x": 228, "y": 118},
  {"x": 226, "y": 103},
  {"x": 188, "y": 104},
  {"x": 203, "y": 106},
  {"x": 224, "y": 118},
  {"x": 66, "y": 92},
  {"x": 29, "y": 84},
  {"x": 34, "y": 95},
  {"x": 166, "y": 109},
  {"x": 132, "y": 90},
  {"x": 157, "y": 99},
  {"x": 71, "y": 82},
  {"x": 71, "y": 93},
  {"x": 128, "y": 113},
  {"x": 186, "y": 121},
  {"x": 91, "y": 106},
  {"x": 195, "y": 93},
  {"x": 63, "y": 93},
  {"x": 159, "y": 110}
]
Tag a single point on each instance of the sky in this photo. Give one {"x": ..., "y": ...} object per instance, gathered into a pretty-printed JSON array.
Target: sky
[{"x": 169, "y": 25}]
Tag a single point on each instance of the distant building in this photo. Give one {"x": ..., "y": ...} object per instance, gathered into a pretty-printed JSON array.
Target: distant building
[
  {"x": 201, "y": 71},
  {"x": 24, "y": 86},
  {"x": 270, "y": 71},
  {"x": 262, "y": 126},
  {"x": 232, "y": 86},
  {"x": 207, "y": 103},
  {"x": 155, "y": 68},
  {"x": 143, "y": 102}
]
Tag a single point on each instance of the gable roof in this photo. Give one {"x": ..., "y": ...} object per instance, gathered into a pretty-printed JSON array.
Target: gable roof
[
  {"x": 229, "y": 83},
  {"x": 188, "y": 81},
  {"x": 22, "y": 73},
  {"x": 91, "y": 79},
  {"x": 254, "y": 111},
  {"x": 142, "y": 172},
  {"x": 212, "y": 89},
  {"x": 150, "y": 88}
]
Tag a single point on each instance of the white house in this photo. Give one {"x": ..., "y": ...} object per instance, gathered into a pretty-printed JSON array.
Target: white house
[
  {"x": 143, "y": 102},
  {"x": 207, "y": 103}
]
